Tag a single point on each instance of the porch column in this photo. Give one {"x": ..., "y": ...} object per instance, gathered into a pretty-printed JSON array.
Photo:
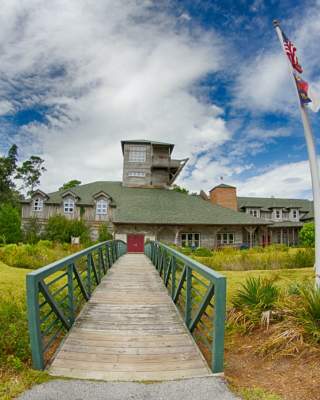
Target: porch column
[
  {"x": 176, "y": 236},
  {"x": 293, "y": 237},
  {"x": 281, "y": 236},
  {"x": 250, "y": 230}
]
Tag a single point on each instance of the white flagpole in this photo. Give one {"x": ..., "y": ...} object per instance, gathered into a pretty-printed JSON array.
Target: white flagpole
[{"x": 314, "y": 168}]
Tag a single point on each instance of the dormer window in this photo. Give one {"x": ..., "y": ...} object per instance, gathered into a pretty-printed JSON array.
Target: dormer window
[
  {"x": 278, "y": 214},
  {"x": 102, "y": 207},
  {"x": 68, "y": 206},
  {"x": 37, "y": 204},
  {"x": 295, "y": 214},
  {"x": 137, "y": 153},
  {"x": 255, "y": 212}
]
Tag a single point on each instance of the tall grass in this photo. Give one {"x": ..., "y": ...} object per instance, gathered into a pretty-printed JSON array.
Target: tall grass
[
  {"x": 15, "y": 361},
  {"x": 272, "y": 257},
  {"x": 34, "y": 256}
]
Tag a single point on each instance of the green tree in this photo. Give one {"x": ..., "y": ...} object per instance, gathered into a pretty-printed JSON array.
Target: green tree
[
  {"x": 69, "y": 185},
  {"x": 307, "y": 235},
  {"x": 177, "y": 188},
  {"x": 30, "y": 173},
  {"x": 10, "y": 224},
  {"x": 8, "y": 165}
]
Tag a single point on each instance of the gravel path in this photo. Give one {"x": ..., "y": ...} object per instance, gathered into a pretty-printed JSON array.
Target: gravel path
[{"x": 210, "y": 388}]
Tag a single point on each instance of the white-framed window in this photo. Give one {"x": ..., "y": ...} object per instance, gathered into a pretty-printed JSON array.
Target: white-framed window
[
  {"x": 295, "y": 214},
  {"x": 37, "y": 204},
  {"x": 136, "y": 174},
  {"x": 102, "y": 207},
  {"x": 255, "y": 212},
  {"x": 68, "y": 206},
  {"x": 277, "y": 214},
  {"x": 137, "y": 153},
  {"x": 190, "y": 240},
  {"x": 225, "y": 238}
]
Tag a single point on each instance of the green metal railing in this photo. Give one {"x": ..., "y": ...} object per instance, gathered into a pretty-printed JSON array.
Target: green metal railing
[
  {"x": 200, "y": 295},
  {"x": 57, "y": 292}
]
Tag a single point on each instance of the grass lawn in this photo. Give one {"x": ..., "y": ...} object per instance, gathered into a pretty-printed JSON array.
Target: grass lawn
[
  {"x": 282, "y": 277},
  {"x": 12, "y": 278}
]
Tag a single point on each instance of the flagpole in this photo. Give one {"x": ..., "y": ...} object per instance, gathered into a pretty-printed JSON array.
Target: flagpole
[{"x": 313, "y": 162}]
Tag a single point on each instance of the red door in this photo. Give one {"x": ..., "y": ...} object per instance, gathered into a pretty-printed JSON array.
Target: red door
[{"x": 135, "y": 243}]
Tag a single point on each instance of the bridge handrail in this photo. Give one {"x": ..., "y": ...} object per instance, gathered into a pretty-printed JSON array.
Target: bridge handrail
[
  {"x": 56, "y": 303},
  {"x": 203, "y": 304}
]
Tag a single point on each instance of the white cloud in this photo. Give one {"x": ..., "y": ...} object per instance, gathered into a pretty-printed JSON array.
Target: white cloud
[
  {"x": 291, "y": 180},
  {"x": 106, "y": 71},
  {"x": 264, "y": 83},
  {"x": 6, "y": 107},
  {"x": 287, "y": 180}
]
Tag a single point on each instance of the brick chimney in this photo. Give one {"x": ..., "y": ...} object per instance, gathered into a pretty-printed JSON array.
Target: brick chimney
[{"x": 225, "y": 196}]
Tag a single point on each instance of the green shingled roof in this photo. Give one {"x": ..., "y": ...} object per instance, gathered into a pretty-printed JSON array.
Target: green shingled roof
[
  {"x": 271, "y": 202},
  {"x": 158, "y": 206}
]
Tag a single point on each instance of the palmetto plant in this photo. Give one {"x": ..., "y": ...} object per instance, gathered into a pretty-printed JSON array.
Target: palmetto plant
[
  {"x": 253, "y": 303},
  {"x": 256, "y": 293},
  {"x": 308, "y": 312}
]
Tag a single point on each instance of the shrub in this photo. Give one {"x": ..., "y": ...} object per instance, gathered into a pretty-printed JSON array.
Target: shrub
[
  {"x": 202, "y": 252},
  {"x": 57, "y": 229},
  {"x": 10, "y": 224},
  {"x": 186, "y": 251},
  {"x": 14, "y": 344},
  {"x": 60, "y": 229},
  {"x": 302, "y": 259},
  {"x": 104, "y": 233},
  {"x": 32, "y": 231},
  {"x": 307, "y": 235},
  {"x": 78, "y": 228},
  {"x": 33, "y": 256}
]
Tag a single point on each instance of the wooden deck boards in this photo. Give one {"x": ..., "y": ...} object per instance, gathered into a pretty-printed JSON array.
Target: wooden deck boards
[{"x": 130, "y": 330}]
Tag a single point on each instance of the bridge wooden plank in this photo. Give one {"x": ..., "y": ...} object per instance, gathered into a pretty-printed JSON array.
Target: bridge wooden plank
[{"x": 129, "y": 330}]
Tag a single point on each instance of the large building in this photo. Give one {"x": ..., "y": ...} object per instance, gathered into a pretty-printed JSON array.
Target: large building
[{"x": 143, "y": 206}]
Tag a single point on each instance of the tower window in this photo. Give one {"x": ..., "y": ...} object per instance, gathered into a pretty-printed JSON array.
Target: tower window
[
  {"x": 136, "y": 174},
  {"x": 137, "y": 153}
]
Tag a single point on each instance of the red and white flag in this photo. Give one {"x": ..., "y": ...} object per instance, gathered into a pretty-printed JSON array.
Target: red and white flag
[{"x": 291, "y": 50}]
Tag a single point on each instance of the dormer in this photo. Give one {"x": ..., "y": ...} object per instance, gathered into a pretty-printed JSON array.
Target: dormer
[
  {"x": 69, "y": 200},
  {"x": 102, "y": 204},
  {"x": 277, "y": 214},
  {"x": 37, "y": 201}
]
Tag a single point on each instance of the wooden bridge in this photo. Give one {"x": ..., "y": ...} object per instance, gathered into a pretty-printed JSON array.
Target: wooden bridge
[{"x": 88, "y": 320}]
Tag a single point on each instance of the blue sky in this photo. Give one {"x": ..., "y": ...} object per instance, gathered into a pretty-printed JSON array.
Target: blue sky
[{"x": 208, "y": 76}]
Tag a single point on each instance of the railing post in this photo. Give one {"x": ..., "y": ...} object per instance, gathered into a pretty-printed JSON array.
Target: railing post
[
  {"x": 173, "y": 277},
  {"x": 218, "y": 325},
  {"x": 89, "y": 274},
  {"x": 71, "y": 293},
  {"x": 102, "y": 266},
  {"x": 108, "y": 256},
  {"x": 34, "y": 322},
  {"x": 188, "y": 304}
]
